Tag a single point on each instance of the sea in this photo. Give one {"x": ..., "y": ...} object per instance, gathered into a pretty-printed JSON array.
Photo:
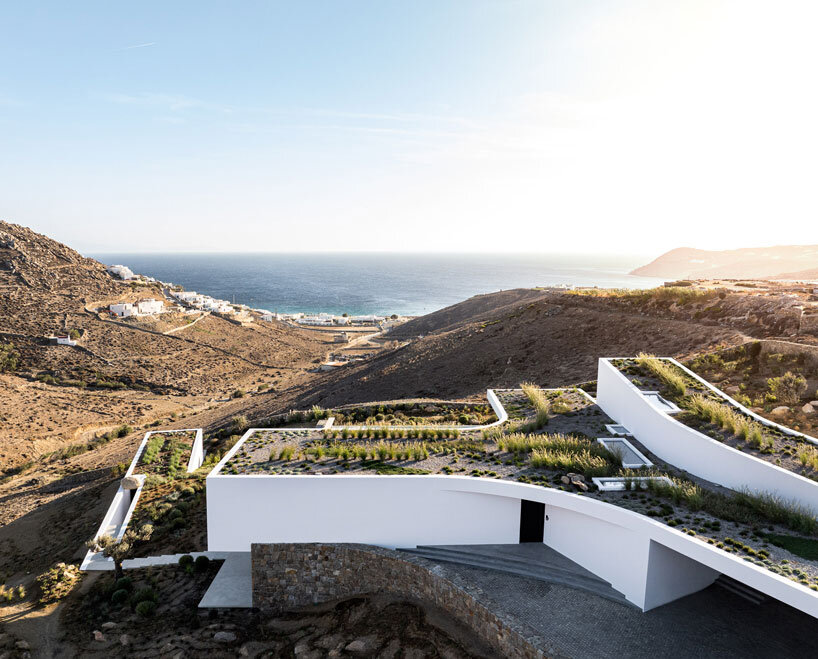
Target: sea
[{"x": 376, "y": 283}]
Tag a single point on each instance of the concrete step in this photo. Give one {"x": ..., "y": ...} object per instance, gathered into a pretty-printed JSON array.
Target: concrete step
[
  {"x": 742, "y": 590},
  {"x": 534, "y": 562}
]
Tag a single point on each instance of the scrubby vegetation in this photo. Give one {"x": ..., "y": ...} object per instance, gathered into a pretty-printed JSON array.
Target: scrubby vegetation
[
  {"x": 57, "y": 582},
  {"x": 9, "y": 357}
]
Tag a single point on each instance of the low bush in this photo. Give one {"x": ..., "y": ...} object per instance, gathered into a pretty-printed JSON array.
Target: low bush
[
  {"x": 201, "y": 564},
  {"x": 788, "y": 388},
  {"x": 124, "y": 583},
  {"x": 119, "y": 596},
  {"x": 146, "y": 608},
  {"x": 186, "y": 560}
]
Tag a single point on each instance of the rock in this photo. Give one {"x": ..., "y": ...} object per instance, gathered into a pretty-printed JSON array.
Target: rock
[
  {"x": 566, "y": 480},
  {"x": 781, "y": 410},
  {"x": 224, "y": 637},
  {"x": 364, "y": 645},
  {"x": 124, "y": 640},
  {"x": 582, "y": 486},
  {"x": 22, "y": 645},
  {"x": 108, "y": 625},
  {"x": 577, "y": 477},
  {"x": 130, "y": 483},
  {"x": 732, "y": 391},
  {"x": 98, "y": 635},
  {"x": 243, "y": 651},
  {"x": 166, "y": 648},
  {"x": 808, "y": 408},
  {"x": 329, "y": 641},
  {"x": 814, "y": 403}
]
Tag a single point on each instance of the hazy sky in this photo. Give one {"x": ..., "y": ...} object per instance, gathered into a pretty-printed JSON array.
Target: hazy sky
[{"x": 476, "y": 125}]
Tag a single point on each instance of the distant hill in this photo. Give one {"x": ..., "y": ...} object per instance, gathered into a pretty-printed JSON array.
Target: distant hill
[{"x": 782, "y": 262}]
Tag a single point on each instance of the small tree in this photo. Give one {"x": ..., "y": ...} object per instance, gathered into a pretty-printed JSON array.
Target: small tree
[
  {"x": 119, "y": 550},
  {"x": 788, "y": 388},
  {"x": 9, "y": 357},
  {"x": 74, "y": 334}
]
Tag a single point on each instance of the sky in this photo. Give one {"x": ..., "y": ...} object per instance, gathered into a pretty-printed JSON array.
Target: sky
[{"x": 425, "y": 125}]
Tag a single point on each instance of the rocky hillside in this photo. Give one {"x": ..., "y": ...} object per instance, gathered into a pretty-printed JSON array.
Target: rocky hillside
[
  {"x": 49, "y": 288},
  {"x": 545, "y": 337},
  {"x": 787, "y": 261}
]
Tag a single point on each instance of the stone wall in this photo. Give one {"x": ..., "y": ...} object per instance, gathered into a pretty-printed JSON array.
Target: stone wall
[
  {"x": 287, "y": 576},
  {"x": 809, "y": 324}
]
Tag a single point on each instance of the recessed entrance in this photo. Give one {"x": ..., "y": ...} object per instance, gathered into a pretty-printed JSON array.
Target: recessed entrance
[{"x": 532, "y": 521}]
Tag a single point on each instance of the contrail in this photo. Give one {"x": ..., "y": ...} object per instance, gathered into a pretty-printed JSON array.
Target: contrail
[{"x": 139, "y": 45}]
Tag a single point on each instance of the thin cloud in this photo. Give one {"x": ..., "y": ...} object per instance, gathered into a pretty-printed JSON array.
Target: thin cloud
[{"x": 139, "y": 45}]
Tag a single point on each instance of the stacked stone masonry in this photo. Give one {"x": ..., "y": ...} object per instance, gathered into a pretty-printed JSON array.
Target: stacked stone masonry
[{"x": 287, "y": 576}]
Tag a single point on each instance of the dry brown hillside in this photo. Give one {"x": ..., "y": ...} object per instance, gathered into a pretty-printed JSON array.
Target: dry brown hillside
[
  {"x": 120, "y": 373},
  {"x": 542, "y": 336},
  {"x": 49, "y": 288}
]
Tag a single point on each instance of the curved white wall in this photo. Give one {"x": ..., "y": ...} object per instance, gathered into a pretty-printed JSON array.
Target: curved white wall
[
  {"x": 649, "y": 562},
  {"x": 688, "y": 449}
]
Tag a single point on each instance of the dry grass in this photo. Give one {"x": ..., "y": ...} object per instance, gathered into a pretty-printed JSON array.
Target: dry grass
[{"x": 665, "y": 371}]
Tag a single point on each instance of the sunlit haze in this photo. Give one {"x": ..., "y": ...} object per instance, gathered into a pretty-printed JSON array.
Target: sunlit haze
[{"x": 420, "y": 126}]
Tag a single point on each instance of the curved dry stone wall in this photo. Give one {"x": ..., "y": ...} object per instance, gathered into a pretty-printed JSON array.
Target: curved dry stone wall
[{"x": 287, "y": 576}]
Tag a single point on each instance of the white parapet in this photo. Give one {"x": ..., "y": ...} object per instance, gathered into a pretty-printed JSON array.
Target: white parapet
[{"x": 688, "y": 449}]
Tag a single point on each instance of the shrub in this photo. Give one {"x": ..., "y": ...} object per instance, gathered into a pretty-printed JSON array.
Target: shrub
[
  {"x": 9, "y": 357},
  {"x": 238, "y": 424},
  {"x": 124, "y": 430},
  {"x": 146, "y": 608},
  {"x": 146, "y": 594},
  {"x": 186, "y": 560},
  {"x": 788, "y": 388},
  {"x": 74, "y": 334},
  {"x": 201, "y": 564},
  {"x": 119, "y": 596},
  {"x": 238, "y": 393},
  {"x": 124, "y": 583}
]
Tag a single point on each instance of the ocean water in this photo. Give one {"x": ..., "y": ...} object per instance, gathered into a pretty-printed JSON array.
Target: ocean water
[{"x": 408, "y": 284}]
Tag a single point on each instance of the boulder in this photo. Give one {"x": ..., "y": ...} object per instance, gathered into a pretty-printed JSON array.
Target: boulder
[
  {"x": 808, "y": 408},
  {"x": 124, "y": 640},
  {"x": 364, "y": 645},
  {"x": 108, "y": 625},
  {"x": 22, "y": 645},
  {"x": 781, "y": 410},
  {"x": 566, "y": 480},
  {"x": 98, "y": 635},
  {"x": 582, "y": 486},
  {"x": 130, "y": 483},
  {"x": 224, "y": 637}
]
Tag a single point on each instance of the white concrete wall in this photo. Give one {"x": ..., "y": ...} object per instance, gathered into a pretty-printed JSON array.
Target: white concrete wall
[
  {"x": 405, "y": 511},
  {"x": 197, "y": 452},
  {"x": 690, "y": 450},
  {"x": 671, "y": 575},
  {"x": 614, "y": 552},
  {"x": 386, "y": 511}
]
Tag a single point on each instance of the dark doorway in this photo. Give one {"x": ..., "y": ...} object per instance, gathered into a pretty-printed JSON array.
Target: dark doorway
[{"x": 532, "y": 521}]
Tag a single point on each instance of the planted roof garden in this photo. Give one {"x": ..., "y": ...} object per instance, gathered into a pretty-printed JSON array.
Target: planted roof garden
[
  {"x": 713, "y": 415},
  {"x": 550, "y": 441}
]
